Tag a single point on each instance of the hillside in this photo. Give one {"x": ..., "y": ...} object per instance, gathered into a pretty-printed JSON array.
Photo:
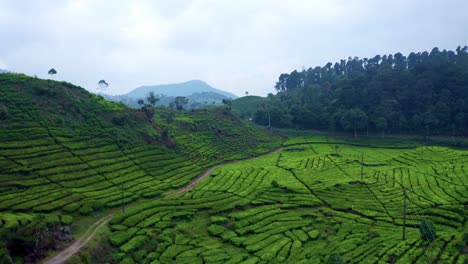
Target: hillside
[
  {"x": 67, "y": 156},
  {"x": 246, "y": 106},
  {"x": 422, "y": 93},
  {"x": 66, "y": 153}
]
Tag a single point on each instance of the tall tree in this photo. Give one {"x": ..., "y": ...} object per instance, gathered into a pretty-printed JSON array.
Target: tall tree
[
  {"x": 180, "y": 102},
  {"x": 381, "y": 125},
  {"x": 102, "y": 85},
  {"x": 354, "y": 119},
  {"x": 152, "y": 99},
  {"x": 52, "y": 72},
  {"x": 419, "y": 93}
]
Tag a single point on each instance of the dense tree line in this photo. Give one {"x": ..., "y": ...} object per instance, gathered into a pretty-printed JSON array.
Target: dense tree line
[{"x": 424, "y": 93}]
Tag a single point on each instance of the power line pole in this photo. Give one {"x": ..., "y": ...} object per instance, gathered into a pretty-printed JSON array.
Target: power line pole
[
  {"x": 123, "y": 206},
  {"x": 269, "y": 120},
  {"x": 404, "y": 213},
  {"x": 362, "y": 166},
  {"x": 453, "y": 132}
]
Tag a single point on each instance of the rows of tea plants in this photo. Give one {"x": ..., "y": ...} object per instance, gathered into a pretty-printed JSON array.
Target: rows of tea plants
[
  {"x": 304, "y": 203},
  {"x": 205, "y": 135},
  {"x": 57, "y": 157}
]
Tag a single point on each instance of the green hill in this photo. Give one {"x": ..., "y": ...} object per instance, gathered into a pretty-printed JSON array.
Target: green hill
[
  {"x": 65, "y": 152},
  {"x": 246, "y": 106}
]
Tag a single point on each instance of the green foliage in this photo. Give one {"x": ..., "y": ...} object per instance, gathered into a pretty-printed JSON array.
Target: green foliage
[
  {"x": 180, "y": 102},
  {"x": 246, "y": 106},
  {"x": 420, "y": 93},
  {"x": 236, "y": 215},
  {"x": 3, "y": 112},
  {"x": 335, "y": 258},
  {"x": 427, "y": 230},
  {"x": 152, "y": 99}
]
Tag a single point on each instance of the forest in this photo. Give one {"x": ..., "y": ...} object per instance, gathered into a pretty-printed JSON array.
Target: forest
[{"x": 422, "y": 93}]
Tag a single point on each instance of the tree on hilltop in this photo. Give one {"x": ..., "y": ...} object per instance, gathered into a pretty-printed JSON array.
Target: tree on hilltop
[
  {"x": 102, "y": 85},
  {"x": 227, "y": 103},
  {"x": 152, "y": 99},
  {"x": 52, "y": 72},
  {"x": 180, "y": 102}
]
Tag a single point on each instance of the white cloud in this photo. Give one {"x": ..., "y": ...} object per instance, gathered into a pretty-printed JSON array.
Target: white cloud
[{"x": 237, "y": 45}]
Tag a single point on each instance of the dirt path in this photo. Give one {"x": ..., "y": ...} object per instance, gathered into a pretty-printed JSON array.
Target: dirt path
[
  {"x": 208, "y": 171},
  {"x": 91, "y": 231},
  {"x": 81, "y": 242}
]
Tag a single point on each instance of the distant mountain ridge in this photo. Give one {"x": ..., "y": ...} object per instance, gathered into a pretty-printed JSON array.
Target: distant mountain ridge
[
  {"x": 199, "y": 93},
  {"x": 3, "y": 71},
  {"x": 178, "y": 89}
]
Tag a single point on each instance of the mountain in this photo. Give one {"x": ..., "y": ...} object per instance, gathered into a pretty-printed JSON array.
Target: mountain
[
  {"x": 196, "y": 100},
  {"x": 178, "y": 89},
  {"x": 3, "y": 71}
]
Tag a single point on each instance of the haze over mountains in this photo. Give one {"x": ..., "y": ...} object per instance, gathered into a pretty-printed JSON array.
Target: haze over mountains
[
  {"x": 198, "y": 92},
  {"x": 178, "y": 89}
]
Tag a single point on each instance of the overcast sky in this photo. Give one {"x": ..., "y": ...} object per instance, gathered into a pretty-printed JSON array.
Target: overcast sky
[{"x": 236, "y": 45}]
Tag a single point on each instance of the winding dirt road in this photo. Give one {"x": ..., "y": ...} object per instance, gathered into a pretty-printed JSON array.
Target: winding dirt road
[
  {"x": 67, "y": 253},
  {"x": 81, "y": 242},
  {"x": 208, "y": 171}
]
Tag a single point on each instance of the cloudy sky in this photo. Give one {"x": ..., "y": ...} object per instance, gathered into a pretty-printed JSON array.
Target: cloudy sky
[{"x": 236, "y": 45}]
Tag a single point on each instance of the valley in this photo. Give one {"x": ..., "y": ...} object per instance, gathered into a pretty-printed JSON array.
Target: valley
[{"x": 86, "y": 180}]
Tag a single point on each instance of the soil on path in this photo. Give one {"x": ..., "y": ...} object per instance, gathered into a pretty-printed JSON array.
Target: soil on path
[
  {"x": 81, "y": 242},
  {"x": 208, "y": 172},
  {"x": 67, "y": 253}
]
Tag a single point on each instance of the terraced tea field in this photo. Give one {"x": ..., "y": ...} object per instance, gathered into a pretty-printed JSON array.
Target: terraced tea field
[
  {"x": 67, "y": 154},
  {"x": 304, "y": 203}
]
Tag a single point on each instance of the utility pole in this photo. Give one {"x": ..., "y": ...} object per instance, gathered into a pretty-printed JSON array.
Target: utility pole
[
  {"x": 362, "y": 166},
  {"x": 123, "y": 206},
  {"x": 404, "y": 213},
  {"x": 453, "y": 133},
  {"x": 269, "y": 120}
]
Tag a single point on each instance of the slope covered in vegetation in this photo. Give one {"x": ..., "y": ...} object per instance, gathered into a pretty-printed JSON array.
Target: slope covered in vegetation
[
  {"x": 319, "y": 198},
  {"x": 247, "y": 106},
  {"x": 66, "y": 152},
  {"x": 423, "y": 93}
]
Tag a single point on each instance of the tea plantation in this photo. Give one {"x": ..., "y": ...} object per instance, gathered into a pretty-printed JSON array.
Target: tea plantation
[
  {"x": 65, "y": 152},
  {"x": 305, "y": 203},
  {"x": 67, "y": 157}
]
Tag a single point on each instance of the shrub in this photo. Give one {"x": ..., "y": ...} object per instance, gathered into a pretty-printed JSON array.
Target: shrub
[
  {"x": 3, "y": 112},
  {"x": 275, "y": 184},
  {"x": 335, "y": 258},
  {"x": 427, "y": 230}
]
